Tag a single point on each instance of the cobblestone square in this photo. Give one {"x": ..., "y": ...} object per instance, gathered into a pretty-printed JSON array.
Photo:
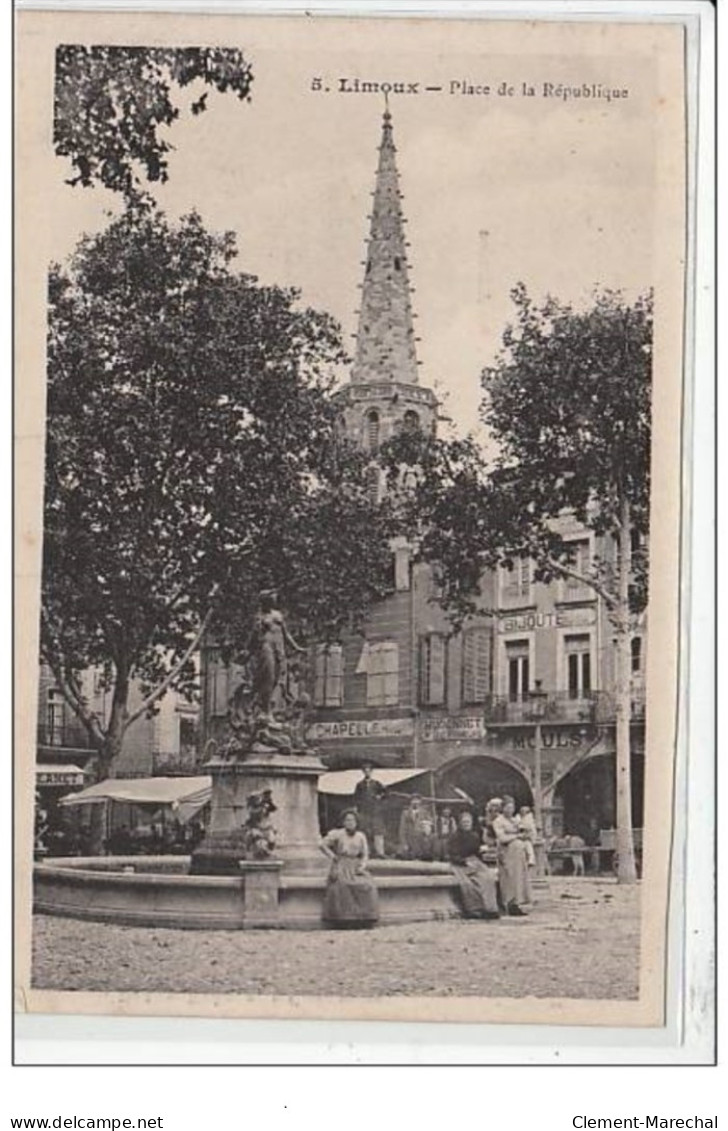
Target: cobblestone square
[{"x": 581, "y": 941}]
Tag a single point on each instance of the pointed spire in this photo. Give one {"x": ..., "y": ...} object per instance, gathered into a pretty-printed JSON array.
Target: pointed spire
[{"x": 385, "y": 347}]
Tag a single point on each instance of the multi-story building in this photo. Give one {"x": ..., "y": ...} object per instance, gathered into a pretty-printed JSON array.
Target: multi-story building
[
  {"x": 166, "y": 743},
  {"x": 538, "y": 662}
]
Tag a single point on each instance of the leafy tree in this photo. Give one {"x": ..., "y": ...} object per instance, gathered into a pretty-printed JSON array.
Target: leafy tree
[
  {"x": 568, "y": 404},
  {"x": 110, "y": 103},
  {"x": 192, "y": 458}
]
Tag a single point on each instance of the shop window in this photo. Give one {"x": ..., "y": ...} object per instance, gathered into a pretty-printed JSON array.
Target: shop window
[
  {"x": 433, "y": 665},
  {"x": 382, "y": 674},
  {"x": 329, "y": 682},
  {"x": 518, "y": 668},
  {"x": 577, "y": 650},
  {"x": 476, "y": 665}
]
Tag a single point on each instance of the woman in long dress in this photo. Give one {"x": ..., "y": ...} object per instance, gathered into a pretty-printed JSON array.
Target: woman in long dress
[
  {"x": 476, "y": 880},
  {"x": 351, "y": 897},
  {"x": 513, "y": 874}
]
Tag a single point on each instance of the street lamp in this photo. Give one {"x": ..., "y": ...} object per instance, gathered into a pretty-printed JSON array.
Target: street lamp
[{"x": 538, "y": 699}]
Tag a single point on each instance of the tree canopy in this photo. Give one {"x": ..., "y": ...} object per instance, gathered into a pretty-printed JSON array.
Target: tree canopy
[
  {"x": 192, "y": 459},
  {"x": 113, "y": 103},
  {"x": 568, "y": 404}
]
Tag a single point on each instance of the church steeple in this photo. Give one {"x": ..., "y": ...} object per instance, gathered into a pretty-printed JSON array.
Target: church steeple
[
  {"x": 385, "y": 346},
  {"x": 383, "y": 394}
]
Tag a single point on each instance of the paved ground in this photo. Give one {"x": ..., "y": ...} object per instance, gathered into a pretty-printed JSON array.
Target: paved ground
[{"x": 581, "y": 943}]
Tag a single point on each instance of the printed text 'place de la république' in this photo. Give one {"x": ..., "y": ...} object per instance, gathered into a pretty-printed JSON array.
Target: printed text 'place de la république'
[{"x": 558, "y": 91}]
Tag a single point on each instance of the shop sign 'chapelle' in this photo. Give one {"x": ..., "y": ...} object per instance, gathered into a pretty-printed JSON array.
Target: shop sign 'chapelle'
[{"x": 360, "y": 728}]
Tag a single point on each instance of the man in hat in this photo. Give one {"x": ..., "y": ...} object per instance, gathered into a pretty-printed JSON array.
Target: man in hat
[{"x": 369, "y": 797}]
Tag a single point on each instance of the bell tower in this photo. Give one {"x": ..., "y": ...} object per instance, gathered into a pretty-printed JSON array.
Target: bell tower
[{"x": 383, "y": 394}]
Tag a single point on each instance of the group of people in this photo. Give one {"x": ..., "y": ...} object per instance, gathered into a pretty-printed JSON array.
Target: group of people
[
  {"x": 487, "y": 892},
  {"x": 503, "y": 836}
]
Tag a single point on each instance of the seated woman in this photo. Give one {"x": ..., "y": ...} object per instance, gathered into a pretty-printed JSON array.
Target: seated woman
[
  {"x": 351, "y": 897},
  {"x": 476, "y": 880},
  {"x": 513, "y": 876}
]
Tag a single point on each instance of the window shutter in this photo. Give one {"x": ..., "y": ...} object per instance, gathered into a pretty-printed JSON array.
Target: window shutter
[
  {"x": 383, "y": 674},
  {"x": 481, "y": 673},
  {"x": 334, "y": 675},
  {"x": 525, "y": 576},
  {"x": 424, "y": 669},
  {"x": 391, "y": 673},
  {"x": 436, "y": 689},
  {"x": 476, "y": 665},
  {"x": 319, "y": 690}
]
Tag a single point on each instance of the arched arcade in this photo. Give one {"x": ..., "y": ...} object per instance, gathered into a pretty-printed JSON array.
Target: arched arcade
[{"x": 482, "y": 777}]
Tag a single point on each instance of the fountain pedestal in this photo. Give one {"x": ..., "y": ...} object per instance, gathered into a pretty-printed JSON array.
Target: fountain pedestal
[{"x": 292, "y": 780}]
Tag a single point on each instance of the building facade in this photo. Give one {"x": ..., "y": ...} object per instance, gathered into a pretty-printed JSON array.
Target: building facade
[
  {"x": 537, "y": 667},
  {"x": 166, "y": 743}
]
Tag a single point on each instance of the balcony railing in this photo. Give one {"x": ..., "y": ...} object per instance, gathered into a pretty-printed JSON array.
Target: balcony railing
[{"x": 592, "y": 707}]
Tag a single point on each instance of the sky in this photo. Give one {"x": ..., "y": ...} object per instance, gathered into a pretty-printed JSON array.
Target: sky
[{"x": 497, "y": 188}]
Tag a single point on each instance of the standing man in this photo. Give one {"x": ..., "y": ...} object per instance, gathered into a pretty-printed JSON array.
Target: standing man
[
  {"x": 412, "y": 835},
  {"x": 369, "y": 798}
]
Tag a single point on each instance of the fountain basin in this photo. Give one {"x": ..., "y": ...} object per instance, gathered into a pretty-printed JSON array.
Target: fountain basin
[{"x": 158, "y": 891}]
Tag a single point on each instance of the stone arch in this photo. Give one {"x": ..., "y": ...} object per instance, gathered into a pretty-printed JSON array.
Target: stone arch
[
  {"x": 587, "y": 795},
  {"x": 483, "y": 777}
]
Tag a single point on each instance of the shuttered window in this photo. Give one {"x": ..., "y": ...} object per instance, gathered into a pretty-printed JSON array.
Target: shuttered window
[
  {"x": 433, "y": 663},
  {"x": 329, "y": 684},
  {"x": 581, "y": 563},
  {"x": 516, "y": 582},
  {"x": 476, "y": 665},
  {"x": 383, "y": 674}
]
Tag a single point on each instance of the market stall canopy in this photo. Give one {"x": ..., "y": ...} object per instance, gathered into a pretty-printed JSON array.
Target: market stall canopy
[
  {"x": 59, "y": 775},
  {"x": 341, "y": 783},
  {"x": 182, "y": 793}
]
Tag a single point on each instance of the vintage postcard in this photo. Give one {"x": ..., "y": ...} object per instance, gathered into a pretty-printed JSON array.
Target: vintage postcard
[{"x": 349, "y": 385}]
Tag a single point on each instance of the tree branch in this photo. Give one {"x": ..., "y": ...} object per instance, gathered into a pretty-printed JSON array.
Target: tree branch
[
  {"x": 172, "y": 675},
  {"x": 553, "y": 563}
]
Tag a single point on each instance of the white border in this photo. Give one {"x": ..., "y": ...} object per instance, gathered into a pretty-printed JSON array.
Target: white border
[{"x": 688, "y": 1037}]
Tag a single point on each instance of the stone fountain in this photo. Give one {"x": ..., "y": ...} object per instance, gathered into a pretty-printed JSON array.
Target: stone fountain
[{"x": 260, "y": 864}]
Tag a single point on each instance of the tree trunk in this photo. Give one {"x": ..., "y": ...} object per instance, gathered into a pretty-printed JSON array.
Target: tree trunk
[
  {"x": 106, "y": 754},
  {"x": 108, "y": 742},
  {"x": 626, "y": 868}
]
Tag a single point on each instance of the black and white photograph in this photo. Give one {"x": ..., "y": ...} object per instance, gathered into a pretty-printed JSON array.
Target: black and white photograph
[{"x": 349, "y": 434}]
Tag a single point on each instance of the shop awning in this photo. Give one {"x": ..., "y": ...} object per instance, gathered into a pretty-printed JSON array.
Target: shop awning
[
  {"x": 176, "y": 792},
  {"x": 341, "y": 783},
  {"x": 59, "y": 775}
]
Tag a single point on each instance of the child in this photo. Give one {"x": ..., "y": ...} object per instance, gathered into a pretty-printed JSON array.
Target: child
[{"x": 527, "y": 824}]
